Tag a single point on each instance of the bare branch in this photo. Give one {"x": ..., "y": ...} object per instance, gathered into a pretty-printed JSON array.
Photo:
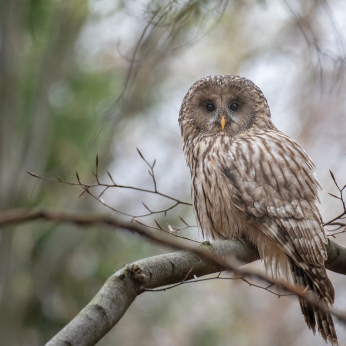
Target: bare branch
[
  {"x": 121, "y": 289},
  {"x": 163, "y": 230},
  {"x": 97, "y": 169},
  {"x": 331, "y": 173},
  {"x": 204, "y": 259},
  {"x": 172, "y": 269},
  {"x": 141, "y": 155},
  {"x": 102, "y": 192},
  {"x": 89, "y": 186},
  {"x": 181, "y": 218},
  {"x": 336, "y": 253},
  {"x": 111, "y": 178},
  {"x": 341, "y": 216},
  {"x": 79, "y": 183},
  {"x": 265, "y": 288}
]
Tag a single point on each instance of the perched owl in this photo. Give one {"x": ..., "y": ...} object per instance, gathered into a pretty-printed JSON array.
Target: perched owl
[{"x": 251, "y": 181}]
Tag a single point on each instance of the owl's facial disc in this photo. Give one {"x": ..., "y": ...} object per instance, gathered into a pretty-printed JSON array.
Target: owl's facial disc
[
  {"x": 227, "y": 105},
  {"x": 226, "y": 108}
]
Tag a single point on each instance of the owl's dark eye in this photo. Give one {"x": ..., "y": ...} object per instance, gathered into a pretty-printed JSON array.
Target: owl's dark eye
[
  {"x": 233, "y": 107},
  {"x": 210, "y": 107}
]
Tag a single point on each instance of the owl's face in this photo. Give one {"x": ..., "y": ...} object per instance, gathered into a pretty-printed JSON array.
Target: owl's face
[{"x": 223, "y": 105}]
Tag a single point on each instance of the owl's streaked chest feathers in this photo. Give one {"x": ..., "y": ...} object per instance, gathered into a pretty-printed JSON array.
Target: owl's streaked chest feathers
[{"x": 217, "y": 216}]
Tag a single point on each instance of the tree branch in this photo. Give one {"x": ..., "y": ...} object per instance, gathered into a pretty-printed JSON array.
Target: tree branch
[
  {"x": 336, "y": 253},
  {"x": 120, "y": 290}
]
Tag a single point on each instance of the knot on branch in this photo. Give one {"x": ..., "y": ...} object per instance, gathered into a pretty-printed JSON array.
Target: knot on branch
[
  {"x": 206, "y": 246},
  {"x": 137, "y": 274}
]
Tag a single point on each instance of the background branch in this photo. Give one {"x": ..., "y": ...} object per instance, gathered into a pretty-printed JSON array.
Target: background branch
[
  {"x": 337, "y": 222},
  {"x": 336, "y": 253}
]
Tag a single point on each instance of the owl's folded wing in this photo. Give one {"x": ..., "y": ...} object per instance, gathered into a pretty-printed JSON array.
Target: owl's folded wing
[{"x": 273, "y": 180}]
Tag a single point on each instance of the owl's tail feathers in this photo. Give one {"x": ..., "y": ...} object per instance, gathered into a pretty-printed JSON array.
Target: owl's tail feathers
[{"x": 314, "y": 316}]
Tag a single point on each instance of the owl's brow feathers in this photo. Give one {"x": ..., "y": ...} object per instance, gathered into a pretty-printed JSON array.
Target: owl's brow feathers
[{"x": 222, "y": 81}]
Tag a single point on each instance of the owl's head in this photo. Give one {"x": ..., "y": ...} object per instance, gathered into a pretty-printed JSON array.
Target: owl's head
[{"x": 223, "y": 105}]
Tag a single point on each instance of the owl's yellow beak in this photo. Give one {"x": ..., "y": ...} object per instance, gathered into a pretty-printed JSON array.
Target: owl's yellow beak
[{"x": 223, "y": 121}]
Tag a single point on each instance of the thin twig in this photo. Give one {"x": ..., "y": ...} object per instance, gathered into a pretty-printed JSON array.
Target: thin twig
[
  {"x": 159, "y": 228},
  {"x": 216, "y": 278},
  {"x": 340, "y": 216}
]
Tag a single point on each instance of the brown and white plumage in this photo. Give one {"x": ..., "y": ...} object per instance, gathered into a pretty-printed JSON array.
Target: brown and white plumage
[{"x": 249, "y": 180}]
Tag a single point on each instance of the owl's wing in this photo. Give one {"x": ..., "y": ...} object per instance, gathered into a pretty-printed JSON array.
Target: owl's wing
[{"x": 273, "y": 180}]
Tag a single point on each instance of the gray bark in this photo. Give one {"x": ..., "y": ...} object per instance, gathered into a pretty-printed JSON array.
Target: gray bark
[{"x": 121, "y": 289}]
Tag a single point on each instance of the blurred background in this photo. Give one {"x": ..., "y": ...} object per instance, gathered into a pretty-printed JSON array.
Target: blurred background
[{"x": 81, "y": 78}]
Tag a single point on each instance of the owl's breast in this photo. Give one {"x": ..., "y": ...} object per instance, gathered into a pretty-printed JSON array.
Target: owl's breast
[{"x": 216, "y": 214}]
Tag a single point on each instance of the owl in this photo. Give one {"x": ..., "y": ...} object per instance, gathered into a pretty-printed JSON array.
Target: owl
[{"x": 250, "y": 181}]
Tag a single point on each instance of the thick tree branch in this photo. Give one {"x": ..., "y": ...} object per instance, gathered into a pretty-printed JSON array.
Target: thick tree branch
[
  {"x": 336, "y": 261},
  {"x": 120, "y": 290}
]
